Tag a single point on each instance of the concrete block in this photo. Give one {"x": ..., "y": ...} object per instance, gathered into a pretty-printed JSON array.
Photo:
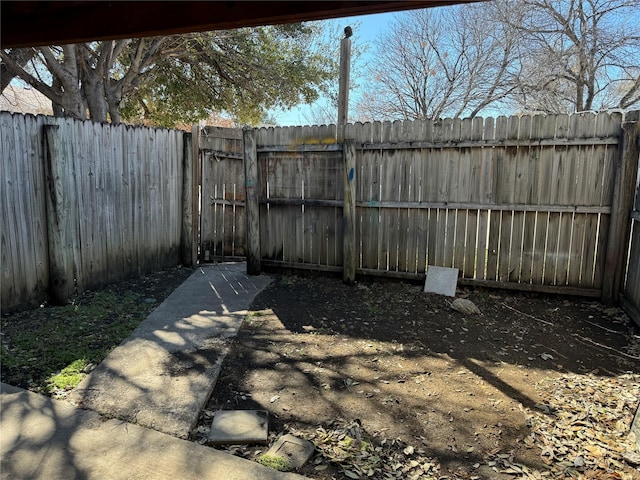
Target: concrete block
[
  {"x": 296, "y": 450},
  {"x": 239, "y": 427},
  {"x": 441, "y": 280}
]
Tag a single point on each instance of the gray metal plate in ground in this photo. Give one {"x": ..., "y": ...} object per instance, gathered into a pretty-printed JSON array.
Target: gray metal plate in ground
[
  {"x": 441, "y": 280},
  {"x": 162, "y": 375}
]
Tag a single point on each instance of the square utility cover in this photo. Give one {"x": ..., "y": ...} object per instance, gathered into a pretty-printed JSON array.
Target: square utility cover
[
  {"x": 441, "y": 280},
  {"x": 239, "y": 427}
]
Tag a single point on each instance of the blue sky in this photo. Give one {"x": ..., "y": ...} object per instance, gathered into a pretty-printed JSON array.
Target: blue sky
[{"x": 370, "y": 28}]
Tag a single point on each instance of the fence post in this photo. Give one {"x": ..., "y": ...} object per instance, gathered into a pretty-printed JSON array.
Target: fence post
[
  {"x": 189, "y": 191},
  {"x": 621, "y": 206},
  {"x": 343, "y": 86},
  {"x": 252, "y": 208},
  {"x": 349, "y": 213},
  {"x": 61, "y": 276}
]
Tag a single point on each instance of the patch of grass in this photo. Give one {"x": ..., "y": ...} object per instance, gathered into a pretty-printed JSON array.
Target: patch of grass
[
  {"x": 254, "y": 316},
  {"x": 48, "y": 349},
  {"x": 274, "y": 461},
  {"x": 69, "y": 377}
]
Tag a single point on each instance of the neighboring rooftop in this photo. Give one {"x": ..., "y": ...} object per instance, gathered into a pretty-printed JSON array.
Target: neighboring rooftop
[{"x": 25, "y": 100}]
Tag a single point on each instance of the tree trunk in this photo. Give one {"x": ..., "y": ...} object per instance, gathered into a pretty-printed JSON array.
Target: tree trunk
[{"x": 96, "y": 101}]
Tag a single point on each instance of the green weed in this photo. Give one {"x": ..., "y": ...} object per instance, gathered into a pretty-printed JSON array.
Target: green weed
[{"x": 274, "y": 461}]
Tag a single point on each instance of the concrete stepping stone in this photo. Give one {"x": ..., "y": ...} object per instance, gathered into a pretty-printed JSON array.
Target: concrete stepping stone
[
  {"x": 296, "y": 451},
  {"x": 239, "y": 427}
]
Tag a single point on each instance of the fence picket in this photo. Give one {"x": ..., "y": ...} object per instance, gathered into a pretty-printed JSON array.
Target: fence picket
[{"x": 369, "y": 187}]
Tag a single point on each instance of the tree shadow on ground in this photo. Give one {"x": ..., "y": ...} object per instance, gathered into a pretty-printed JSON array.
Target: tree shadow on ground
[{"x": 409, "y": 366}]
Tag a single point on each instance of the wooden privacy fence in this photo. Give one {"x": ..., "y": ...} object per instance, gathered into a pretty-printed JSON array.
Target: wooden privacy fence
[
  {"x": 523, "y": 202},
  {"x": 85, "y": 204}
]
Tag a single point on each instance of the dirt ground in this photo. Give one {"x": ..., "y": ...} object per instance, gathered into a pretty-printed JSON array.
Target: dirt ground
[{"x": 390, "y": 382}]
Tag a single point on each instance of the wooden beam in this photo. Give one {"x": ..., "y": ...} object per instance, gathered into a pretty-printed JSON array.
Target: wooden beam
[
  {"x": 343, "y": 86},
  {"x": 349, "y": 215},
  {"x": 621, "y": 208},
  {"x": 252, "y": 208},
  {"x": 187, "y": 243},
  {"x": 303, "y": 148},
  {"x": 27, "y": 24},
  {"x": 551, "y": 142},
  {"x": 196, "y": 172},
  {"x": 311, "y": 202},
  {"x": 420, "y": 145},
  {"x": 301, "y": 266},
  {"x": 532, "y": 287},
  {"x": 419, "y": 277},
  {"x": 632, "y": 310}
]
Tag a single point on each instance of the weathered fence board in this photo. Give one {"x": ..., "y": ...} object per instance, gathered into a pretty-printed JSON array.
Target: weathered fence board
[
  {"x": 115, "y": 207},
  {"x": 631, "y": 293}
]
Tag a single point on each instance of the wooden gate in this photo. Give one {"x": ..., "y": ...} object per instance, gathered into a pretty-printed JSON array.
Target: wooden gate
[
  {"x": 222, "y": 195},
  {"x": 300, "y": 193}
]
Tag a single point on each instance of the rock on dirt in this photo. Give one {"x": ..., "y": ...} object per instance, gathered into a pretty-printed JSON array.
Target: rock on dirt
[{"x": 465, "y": 306}]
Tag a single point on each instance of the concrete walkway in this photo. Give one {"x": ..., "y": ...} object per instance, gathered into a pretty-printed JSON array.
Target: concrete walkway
[
  {"x": 163, "y": 374},
  {"x": 146, "y": 393},
  {"x": 45, "y": 439}
]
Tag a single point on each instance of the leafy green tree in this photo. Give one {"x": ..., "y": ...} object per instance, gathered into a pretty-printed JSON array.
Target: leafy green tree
[{"x": 181, "y": 78}]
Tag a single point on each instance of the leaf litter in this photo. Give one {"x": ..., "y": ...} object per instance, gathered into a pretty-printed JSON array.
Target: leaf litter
[
  {"x": 360, "y": 455},
  {"x": 583, "y": 427}
]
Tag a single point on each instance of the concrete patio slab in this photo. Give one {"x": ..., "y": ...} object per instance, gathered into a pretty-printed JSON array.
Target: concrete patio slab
[
  {"x": 163, "y": 374},
  {"x": 45, "y": 439}
]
